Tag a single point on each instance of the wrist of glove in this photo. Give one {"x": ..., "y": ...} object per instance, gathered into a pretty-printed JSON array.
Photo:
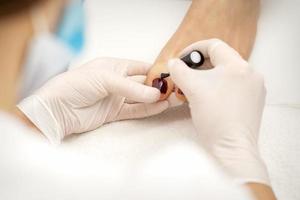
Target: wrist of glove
[
  {"x": 42, "y": 117},
  {"x": 83, "y": 99},
  {"x": 56, "y": 120},
  {"x": 238, "y": 154},
  {"x": 226, "y": 104}
]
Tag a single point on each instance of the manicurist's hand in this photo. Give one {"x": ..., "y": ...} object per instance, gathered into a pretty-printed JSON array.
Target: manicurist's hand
[
  {"x": 226, "y": 104},
  {"x": 83, "y": 99}
]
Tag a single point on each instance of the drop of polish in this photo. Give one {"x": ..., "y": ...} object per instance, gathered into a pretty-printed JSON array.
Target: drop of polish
[{"x": 160, "y": 84}]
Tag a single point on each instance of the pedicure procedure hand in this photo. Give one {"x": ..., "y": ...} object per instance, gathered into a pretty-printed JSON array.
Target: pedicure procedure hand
[
  {"x": 83, "y": 99},
  {"x": 226, "y": 105},
  {"x": 164, "y": 84}
]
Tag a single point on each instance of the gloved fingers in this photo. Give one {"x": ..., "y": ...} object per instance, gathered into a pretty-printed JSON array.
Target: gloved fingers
[
  {"x": 138, "y": 78},
  {"x": 119, "y": 85},
  {"x": 137, "y": 68},
  {"x": 218, "y": 51},
  {"x": 141, "y": 110},
  {"x": 181, "y": 74}
]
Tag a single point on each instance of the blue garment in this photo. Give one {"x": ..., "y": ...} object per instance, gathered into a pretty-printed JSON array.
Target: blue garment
[{"x": 72, "y": 25}]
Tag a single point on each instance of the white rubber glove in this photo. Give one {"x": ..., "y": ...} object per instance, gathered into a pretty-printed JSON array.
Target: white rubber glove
[
  {"x": 226, "y": 105},
  {"x": 83, "y": 99}
]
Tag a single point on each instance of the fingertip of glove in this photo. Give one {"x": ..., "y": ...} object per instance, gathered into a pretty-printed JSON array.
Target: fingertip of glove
[
  {"x": 164, "y": 104},
  {"x": 160, "y": 106},
  {"x": 177, "y": 67},
  {"x": 151, "y": 95},
  {"x": 172, "y": 63}
]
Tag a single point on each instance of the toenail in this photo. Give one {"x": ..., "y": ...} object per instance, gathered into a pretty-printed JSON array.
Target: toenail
[{"x": 160, "y": 84}]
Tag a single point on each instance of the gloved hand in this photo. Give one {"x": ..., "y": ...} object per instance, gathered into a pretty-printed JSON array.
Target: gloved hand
[
  {"x": 83, "y": 99},
  {"x": 226, "y": 105}
]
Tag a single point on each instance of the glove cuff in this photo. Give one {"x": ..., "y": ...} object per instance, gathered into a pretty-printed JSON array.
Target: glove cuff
[
  {"x": 40, "y": 115},
  {"x": 241, "y": 157}
]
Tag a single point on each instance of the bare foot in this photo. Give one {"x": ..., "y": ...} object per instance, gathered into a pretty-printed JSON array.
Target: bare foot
[{"x": 234, "y": 21}]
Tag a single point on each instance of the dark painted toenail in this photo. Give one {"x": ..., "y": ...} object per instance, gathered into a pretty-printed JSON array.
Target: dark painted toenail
[{"x": 160, "y": 84}]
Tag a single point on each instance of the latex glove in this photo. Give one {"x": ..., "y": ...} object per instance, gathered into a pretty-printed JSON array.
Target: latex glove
[
  {"x": 83, "y": 99},
  {"x": 226, "y": 105}
]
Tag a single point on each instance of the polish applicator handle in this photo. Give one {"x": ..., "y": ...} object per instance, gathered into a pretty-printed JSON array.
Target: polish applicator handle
[{"x": 194, "y": 59}]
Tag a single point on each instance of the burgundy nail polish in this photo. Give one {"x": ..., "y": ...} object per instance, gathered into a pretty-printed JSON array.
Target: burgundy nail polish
[{"x": 160, "y": 84}]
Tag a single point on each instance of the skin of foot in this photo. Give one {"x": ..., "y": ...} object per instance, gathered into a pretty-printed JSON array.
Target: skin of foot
[{"x": 233, "y": 21}]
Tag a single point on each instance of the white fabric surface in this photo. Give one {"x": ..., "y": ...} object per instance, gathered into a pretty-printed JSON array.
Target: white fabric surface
[
  {"x": 139, "y": 29},
  {"x": 111, "y": 169}
]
